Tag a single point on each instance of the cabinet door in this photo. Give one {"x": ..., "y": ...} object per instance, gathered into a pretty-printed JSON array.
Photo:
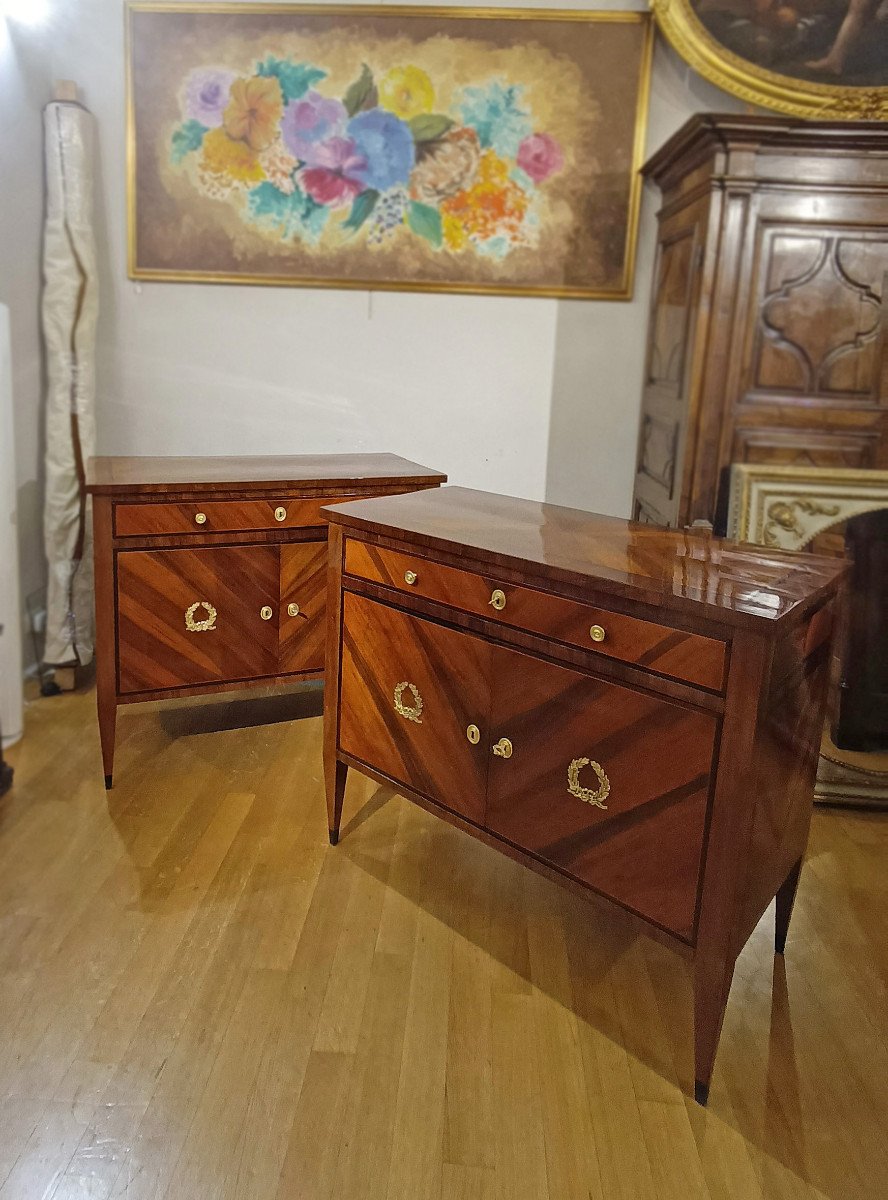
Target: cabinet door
[
  {"x": 410, "y": 690},
  {"x": 187, "y": 617},
  {"x": 303, "y": 605},
  {"x": 607, "y": 784}
]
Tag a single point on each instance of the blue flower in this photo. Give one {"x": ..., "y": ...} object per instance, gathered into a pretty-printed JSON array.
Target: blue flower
[
  {"x": 495, "y": 114},
  {"x": 385, "y": 143}
]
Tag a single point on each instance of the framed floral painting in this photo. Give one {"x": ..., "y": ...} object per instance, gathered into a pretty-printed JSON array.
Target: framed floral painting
[{"x": 445, "y": 149}]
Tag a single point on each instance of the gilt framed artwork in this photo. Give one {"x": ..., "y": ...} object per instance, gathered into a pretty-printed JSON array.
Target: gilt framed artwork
[
  {"x": 822, "y": 59},
  {"x": 440, "y": 149}
]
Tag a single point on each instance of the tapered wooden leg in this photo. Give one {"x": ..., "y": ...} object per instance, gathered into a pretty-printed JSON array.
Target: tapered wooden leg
[
  {"x": 107, "y": 706},
  {"x": 785, "y": 900},
  {"x": 712, "y": 985},
  {"x": 337, "y": 773}
]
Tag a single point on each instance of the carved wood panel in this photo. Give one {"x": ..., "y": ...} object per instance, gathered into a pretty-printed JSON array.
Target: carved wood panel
[
  {"x": 668, "y": 340},
  {"x": 820, "y": 323}
]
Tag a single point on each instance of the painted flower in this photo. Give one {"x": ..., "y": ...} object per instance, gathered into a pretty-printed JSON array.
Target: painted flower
[
  {"x": 446, "y": 166},
  {"x": 406, "y": 92},
  {"x": 279, "y": 166},
  {"x": 310, "y": 121},
  {"x": 385, "y": 143},
  {"x": 334, "y": 179},
  {"x": 496, "y": 114},
  {"x": 224, "y": 156},
  {"x": 388, "y": 216},
  {"x": 254, "y": 110},
  {"x": 206, "y": 95},
  {"x": 540, "y": 156},
  {"x": 494, "y": 206}
]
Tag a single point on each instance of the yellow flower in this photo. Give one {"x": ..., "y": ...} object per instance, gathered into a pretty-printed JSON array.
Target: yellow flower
[
  {"x": 407, "y": 92},
  {"x": 254, "y": 110},
  {"x": 222, "y": 155}
]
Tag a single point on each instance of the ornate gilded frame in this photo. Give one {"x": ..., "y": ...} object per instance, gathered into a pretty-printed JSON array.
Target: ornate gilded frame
[
  {"x": 783, "y": 93},
  {"x": 786, "y": 508},
  {"x": 624, "y": 292}
]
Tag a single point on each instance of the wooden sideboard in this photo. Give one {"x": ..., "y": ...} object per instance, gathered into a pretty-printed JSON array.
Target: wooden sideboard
[
  {"x": 210, "y": 573},
  {"x": 766, "y": 340},
  {"x": 632, "y": 711}
]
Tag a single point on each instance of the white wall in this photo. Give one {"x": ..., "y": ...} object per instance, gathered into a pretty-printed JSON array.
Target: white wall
[
  {"x": 599, "y": 347},
  {"x": 535, "y": 397}
]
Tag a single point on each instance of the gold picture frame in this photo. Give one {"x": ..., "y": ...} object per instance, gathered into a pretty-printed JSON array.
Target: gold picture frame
[
  {"x": 800, "y": 95},
  {"x": 160, "y": 35}
]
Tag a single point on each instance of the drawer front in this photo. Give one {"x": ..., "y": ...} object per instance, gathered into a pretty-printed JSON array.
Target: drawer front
[
  {"x": 687, "y": 656},
  {"x": 409, "y": 692},
  {"x": 303, "y": 606},
  {"x": 219, "y": 516},
  {"x": 609, "y": 785},
  {"x": 188, "y": 617}
]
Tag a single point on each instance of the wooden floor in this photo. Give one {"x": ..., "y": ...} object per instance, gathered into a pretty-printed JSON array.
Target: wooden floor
[{"x": 200, "y": 999}]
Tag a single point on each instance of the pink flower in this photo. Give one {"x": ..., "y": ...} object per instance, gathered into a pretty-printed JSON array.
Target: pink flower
[
  {"x": 331, "y": 180},
  {"x": 539, "y": 156},
  {"x": 308, "y": 123}
]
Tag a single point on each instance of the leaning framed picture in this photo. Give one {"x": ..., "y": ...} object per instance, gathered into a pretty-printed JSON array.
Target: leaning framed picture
[
  {"x": 825, "y": 59},
  {"x": 411, "y": 148}
]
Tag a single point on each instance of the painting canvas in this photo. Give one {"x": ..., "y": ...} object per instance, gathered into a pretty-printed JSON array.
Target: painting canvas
[
  {"x": 812, "y": 58},
  {"x": 482, "y": 150}
]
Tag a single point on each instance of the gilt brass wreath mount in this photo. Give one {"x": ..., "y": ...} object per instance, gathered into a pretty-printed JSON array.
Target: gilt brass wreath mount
[
  {"x": 200, "y": 626},
  {"x": 413, "y": 714},
  {"x": 596, "y": 797}
]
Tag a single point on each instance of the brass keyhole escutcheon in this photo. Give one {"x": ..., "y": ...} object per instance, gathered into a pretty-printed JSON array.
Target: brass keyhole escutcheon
[
  {"x": 410, "y": 577},
  {"x": 497, "y": 599},
  {"x": 473, "y": 733},
  {"x": 503, "y": 748},
  {"x": 200, "y": 518},
  {"x": 280, "y": 514},
  {"x": 597, "y": 634},
  {"x": 292, "y": 610},
  {"x": 266, "y": 613}
]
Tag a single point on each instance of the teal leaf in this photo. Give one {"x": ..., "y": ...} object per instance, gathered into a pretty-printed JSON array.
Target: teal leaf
[
  {"x": 428, "y": 127},
  {"x": 295, "y": 78},
  {"x": 361, "y": 93},
  {"x": 186, "y": 138},
  {"x": 361, "y": 209},
  {"x": 425, "y": 221}
]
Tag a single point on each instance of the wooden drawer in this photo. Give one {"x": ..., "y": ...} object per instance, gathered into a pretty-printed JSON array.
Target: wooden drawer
[
  {"x": 691, "y": 657},
  {"x": 409, "y": 691},
  {"x": 220, "y": 516},
  {"x": 607, "y": 784}
]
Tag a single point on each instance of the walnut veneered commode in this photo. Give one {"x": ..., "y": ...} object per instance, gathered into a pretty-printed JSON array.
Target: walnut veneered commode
[
  {"x": 211, "y": 572},
  {"x": 632, "y": 711}
]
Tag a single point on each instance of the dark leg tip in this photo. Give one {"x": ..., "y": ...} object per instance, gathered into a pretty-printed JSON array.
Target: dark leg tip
[
  {"x": 779, "y": 945},
  {"x": 701, "y": 1092},
  {"x": 108, "y": 783},
  {"x": 334, "y": 837}
]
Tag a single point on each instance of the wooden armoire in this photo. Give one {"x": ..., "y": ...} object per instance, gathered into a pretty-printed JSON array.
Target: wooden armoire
[{"x": 767, "y": 340}]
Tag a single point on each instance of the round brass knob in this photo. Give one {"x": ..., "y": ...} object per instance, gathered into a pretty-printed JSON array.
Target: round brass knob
[
  {"x": 280, "y": 514},
  {"x": 266, "y": 613},
  {"x": 597, "y": 634},
  {"x": 292, "y": 610},
  {"x": 473, "y": 733},
  {"x": 503, "y": 748},
  {"x": 410, "y": 577},
  {"x": 200, "y": 518},
  {"x": 497, "y": 599}
]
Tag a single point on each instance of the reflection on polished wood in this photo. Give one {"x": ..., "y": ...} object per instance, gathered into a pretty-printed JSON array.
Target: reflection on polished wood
[{"x": 200, "y": 999}]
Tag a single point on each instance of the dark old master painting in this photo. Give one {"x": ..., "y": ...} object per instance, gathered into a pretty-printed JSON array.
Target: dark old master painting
[{"x": 445, "y": 149}]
